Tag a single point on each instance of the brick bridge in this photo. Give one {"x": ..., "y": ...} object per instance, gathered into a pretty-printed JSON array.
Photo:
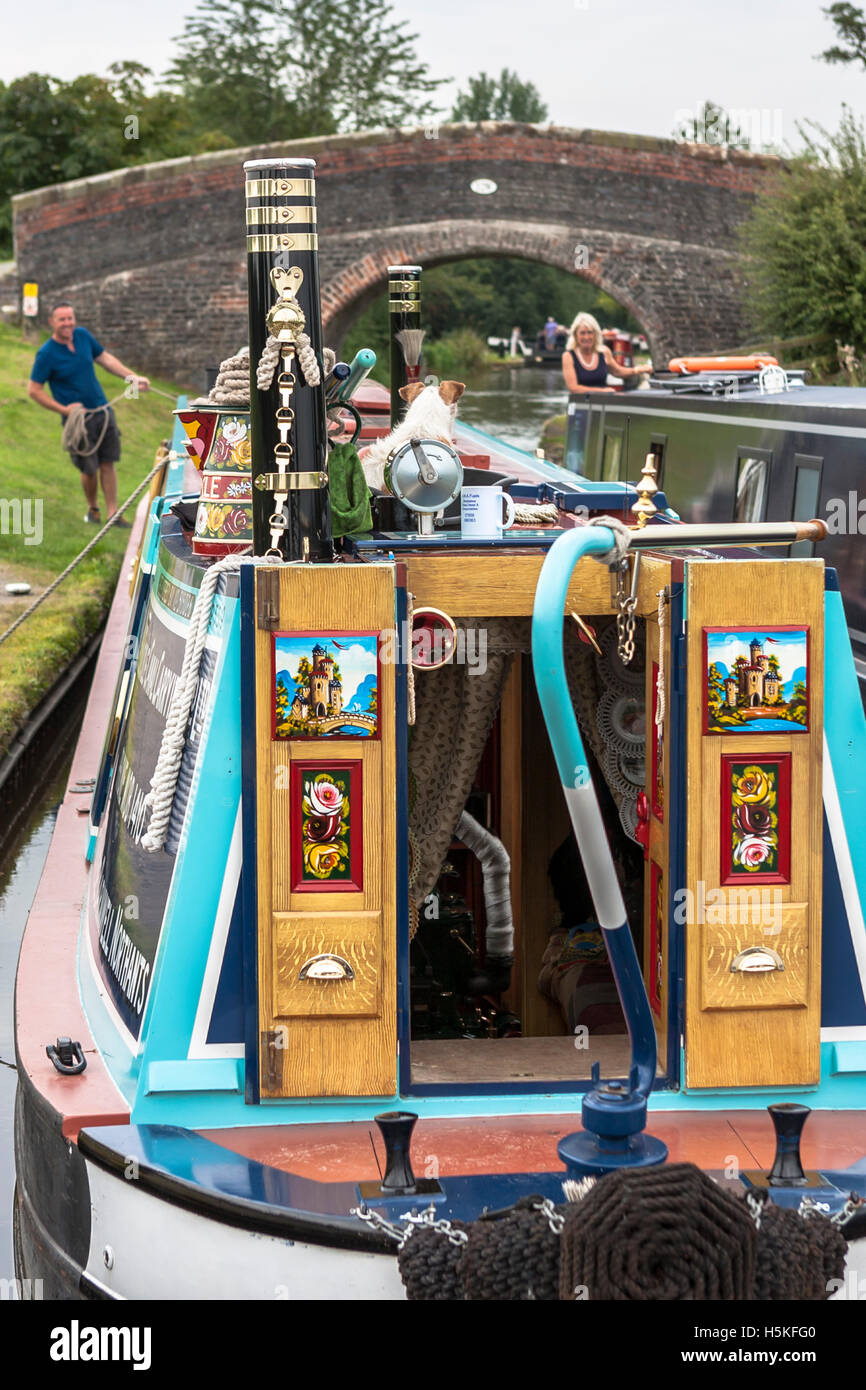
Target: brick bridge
[{"x": 153, "y": 256}]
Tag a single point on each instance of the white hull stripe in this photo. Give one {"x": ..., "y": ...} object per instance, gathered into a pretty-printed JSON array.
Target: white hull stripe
[{"x": 845, "y": 868}]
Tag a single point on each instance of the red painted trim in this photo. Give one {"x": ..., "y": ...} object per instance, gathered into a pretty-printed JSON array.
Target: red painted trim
[
  {"x": 355, "y": 884},
  {"x": 727, "y": 872},
  {"x": 768, "y": 628},
  {"x": 47, "y": 998},
  {"x": 324, "y": 738},
  {"x": 654, "y": 995},
  {"x": 655, "y": 770}
]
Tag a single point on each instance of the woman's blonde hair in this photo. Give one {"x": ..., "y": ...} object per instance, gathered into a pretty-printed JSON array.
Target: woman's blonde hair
[{"x": 584, "y": 321}]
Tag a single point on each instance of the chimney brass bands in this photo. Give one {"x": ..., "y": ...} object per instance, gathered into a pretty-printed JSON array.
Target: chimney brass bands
[
  {"x": 404, "y": 303},
  {"x": 291, "y": 503}
]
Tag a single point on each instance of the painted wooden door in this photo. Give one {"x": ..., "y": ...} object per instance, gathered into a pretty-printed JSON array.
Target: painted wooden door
[
  {"x": 326, "y": 829},
  {"x": 751, "y": 909}
]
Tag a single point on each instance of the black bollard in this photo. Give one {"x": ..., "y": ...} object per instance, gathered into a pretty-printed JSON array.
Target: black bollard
[
  {"x": 396, "y": 1128},
  {"x": 788, "y": 1121}
]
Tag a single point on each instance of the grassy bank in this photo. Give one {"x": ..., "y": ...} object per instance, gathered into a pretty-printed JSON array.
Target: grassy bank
[{"x": 36, "y": 469}]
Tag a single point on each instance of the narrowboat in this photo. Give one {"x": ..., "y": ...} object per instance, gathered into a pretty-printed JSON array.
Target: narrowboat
[
  {"x": 742, "y": 443},
  {"x": 413, "y": 876}
]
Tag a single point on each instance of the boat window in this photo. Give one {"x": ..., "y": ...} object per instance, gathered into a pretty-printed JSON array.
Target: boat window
[
  {"x": 611, "y": 459},
  {"x": 658, "y": 447},
  {"x": 753, "y": 471},
  {"x": 807, "y": 487}
]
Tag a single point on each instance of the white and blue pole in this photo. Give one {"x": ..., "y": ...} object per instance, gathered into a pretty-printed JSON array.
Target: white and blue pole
[{"x": 614, "y": 1112}]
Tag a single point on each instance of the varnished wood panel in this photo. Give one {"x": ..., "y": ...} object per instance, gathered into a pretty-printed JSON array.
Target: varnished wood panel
[
  {"x": 728, "y": 1044},
  {"x": 788, "y": 936},
  {"x": 497, "y": 585},
  {"x": 325, "y": 1055},
  {"x": 356, "y": 938}
]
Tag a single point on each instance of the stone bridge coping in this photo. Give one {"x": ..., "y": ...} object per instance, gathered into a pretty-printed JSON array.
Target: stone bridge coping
[{"x": 324, "y": 144}]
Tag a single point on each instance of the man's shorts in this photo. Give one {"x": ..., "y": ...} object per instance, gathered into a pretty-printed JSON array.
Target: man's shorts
[{"x": 109, "y": 447}]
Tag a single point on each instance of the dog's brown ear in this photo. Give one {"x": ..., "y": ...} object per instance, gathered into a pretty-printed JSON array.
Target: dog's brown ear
[
  {"x": 411, "y": 391},
  {"x": 451, "y": 391}
]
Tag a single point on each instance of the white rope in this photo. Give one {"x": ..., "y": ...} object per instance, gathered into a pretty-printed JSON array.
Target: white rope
[
  {"x": 410, "y": 669},
  {"x": 660, "y": 675},
  {"x": 543, "y": 514},
  {"x": 622, "y": 538},
  {"x": 163, "y": 784},
  {"x": 307, "y": 361}
]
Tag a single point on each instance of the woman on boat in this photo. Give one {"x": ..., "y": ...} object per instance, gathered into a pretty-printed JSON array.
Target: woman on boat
[{"x": 586, "y": 361}]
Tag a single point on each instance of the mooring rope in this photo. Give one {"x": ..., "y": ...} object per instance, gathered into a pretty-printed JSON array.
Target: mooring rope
[
  {"x": 160, "y": 463},
  {"x": 163, "y": 784}
]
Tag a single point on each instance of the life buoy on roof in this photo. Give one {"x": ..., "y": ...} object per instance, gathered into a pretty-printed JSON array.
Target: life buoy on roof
[{"x": 684, "y": 365}]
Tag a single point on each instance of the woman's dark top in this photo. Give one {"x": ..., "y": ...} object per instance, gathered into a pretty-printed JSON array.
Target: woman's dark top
[{"x": 585, "y": 377}]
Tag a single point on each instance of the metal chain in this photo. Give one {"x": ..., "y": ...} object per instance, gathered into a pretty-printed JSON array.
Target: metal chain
[
  {"x": 378, "y": 1223},
  {"x": 278, "y": 521},
  {"x": 626, "y": 602},
  {"x": 555, "y": 1219},
  {"x": 755, "y": 1209},
  {"x": 853, "y": 1204},
  {"x": 428, "y": 1219}
]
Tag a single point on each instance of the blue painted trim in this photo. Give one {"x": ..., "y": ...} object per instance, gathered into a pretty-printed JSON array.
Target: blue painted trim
[
  {"x": 203, "y": 1074},
  {"x": 848, "y": 1057},
  {"x": 174, "y": 476},
  {"x": 402, "y": 858},
  {"x": 196, "y": 886},
  {"x": 249, "y": 890},
  {"x": 675, "y": 826}
]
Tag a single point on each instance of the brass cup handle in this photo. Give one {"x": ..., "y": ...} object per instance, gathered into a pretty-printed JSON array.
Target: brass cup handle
[
  {"x": 756, "y": 960},
  {"x": 326, "y": 967}
]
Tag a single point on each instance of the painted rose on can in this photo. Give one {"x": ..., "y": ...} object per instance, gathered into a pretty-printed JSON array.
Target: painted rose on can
[
  {"x": 234, "y": 431},
  {"x": 753, "y": 786},
  {"x": 325, "y": 830}
]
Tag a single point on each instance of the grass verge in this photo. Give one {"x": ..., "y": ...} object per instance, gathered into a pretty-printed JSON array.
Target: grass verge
[{"x": 35, "y": 469}]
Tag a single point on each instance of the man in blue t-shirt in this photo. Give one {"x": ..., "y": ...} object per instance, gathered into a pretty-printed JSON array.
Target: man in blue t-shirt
[{"x": 65, "y": 363}]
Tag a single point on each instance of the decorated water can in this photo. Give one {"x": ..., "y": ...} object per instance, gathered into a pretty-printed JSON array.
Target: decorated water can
[{"x": 218, "y": 442}]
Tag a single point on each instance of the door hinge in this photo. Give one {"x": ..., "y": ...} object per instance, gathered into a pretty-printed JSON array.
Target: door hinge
[{"x": 268, "y": 599}]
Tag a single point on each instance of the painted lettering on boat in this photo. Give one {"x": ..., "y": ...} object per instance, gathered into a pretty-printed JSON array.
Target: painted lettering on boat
[
  {"x": 76, "y": 1343},
  {"x": 155, "y": 678},
  {"x": 120, "y": 953}
]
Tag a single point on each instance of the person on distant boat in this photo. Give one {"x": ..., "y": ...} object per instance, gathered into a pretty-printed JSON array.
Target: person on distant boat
[
  {"x": 65, "y": 363},
  {"x": 551, "y": 328},
  {"x": 586, "y": 361}
]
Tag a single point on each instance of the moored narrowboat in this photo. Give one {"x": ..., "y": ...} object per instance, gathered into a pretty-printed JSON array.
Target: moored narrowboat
[{"x": 448, "y": 835}]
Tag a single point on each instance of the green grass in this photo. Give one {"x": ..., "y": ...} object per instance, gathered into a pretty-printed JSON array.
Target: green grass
[{"x": 35, "y": 466}]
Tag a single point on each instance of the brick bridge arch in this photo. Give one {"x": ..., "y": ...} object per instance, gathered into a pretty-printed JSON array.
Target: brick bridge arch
[{"x": 153, "y": 255}]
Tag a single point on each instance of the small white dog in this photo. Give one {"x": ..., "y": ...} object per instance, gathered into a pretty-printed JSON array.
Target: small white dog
[{"x": 431, "y": 415}]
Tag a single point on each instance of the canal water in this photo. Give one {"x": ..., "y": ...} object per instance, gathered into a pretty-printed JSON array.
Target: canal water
[
  {"x": 513, "y": 402},
  {"x": 510, "y": 402},
  {"x": 28, "y": 810}
]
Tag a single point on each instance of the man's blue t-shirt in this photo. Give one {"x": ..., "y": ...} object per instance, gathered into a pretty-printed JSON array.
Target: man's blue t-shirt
[{"x": 70, "y": 374}]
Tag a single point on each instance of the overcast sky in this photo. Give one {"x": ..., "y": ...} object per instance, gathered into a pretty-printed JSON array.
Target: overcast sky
[{"x": 628, "y": 65}]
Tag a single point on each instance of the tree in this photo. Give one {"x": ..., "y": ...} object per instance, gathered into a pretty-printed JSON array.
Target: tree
[
  {"x": 502, "y": 99},
  {"x": 715, "y": 686},
  {"x": 264, "y": 70},
  {"x": 806, "y": 241},
  {"x": 850, "y": 25},
  {"x": 51, "y": 131},
  {"x": 713, "y": 126}
]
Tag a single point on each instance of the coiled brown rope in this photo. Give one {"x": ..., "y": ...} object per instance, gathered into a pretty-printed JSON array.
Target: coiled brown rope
[
  {"x": 659, "y": 1234},
  {"x": 512, "y": 1256},
  {"x": 797, "y": 1257}
]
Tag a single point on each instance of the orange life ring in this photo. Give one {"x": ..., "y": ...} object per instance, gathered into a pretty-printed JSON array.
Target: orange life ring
[{"x": 685, "y": 365}]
